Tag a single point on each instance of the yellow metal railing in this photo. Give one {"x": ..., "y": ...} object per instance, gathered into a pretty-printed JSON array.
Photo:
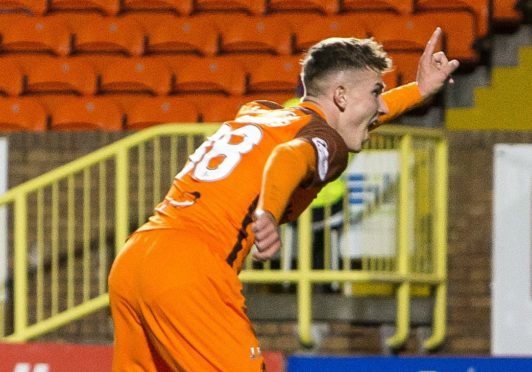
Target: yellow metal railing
[{"x": 67, "y": 225}]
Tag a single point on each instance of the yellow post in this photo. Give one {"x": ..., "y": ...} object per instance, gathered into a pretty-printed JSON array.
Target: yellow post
[
  {"x": 21, "y": 265},
  {"x": 440, "y": 246},
  {"x": 121, "y": 198},
  {"x": 403, "y": 290},
  {"x": 304, "y": 288}
]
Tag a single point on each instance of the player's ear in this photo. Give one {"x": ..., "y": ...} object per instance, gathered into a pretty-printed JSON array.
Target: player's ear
[{"x": 340, "y": 97}]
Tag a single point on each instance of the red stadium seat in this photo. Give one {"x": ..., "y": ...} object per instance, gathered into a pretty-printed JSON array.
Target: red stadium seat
[
  {"x": 275, "y": 75},
  {"x": 35, "y": 7},
  {"x": 256, "y": 7},
  {"x": 181, "y": 7},
  {"x": 480, "y": 8},
  {"x": 12, "y": 78},
  {"x": 318, "y": 28},
  {"x": 161, "y": 110},
  {"x": 256, "y": 35},
  {"x": 395, "y": 6},
  {"x": 320, "y": 6},
  {"x": 109, "y": 35},
  {"x": 187, "y": 35},
  {"x": 209, "y": 75},
  {"x": 87, "y": 113},
  {"x": 136, "y": 75},
  {"x": 22, "y": 114},
  {"x": 34, "y": 35},
  {"x": 107, "y": 7}
]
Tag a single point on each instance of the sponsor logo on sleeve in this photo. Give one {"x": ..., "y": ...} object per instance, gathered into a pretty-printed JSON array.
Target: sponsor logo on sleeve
[{"x": 323, "y": 157}]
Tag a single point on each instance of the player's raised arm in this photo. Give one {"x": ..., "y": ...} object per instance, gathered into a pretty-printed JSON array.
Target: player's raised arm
[{"x": 434, "y": 69}]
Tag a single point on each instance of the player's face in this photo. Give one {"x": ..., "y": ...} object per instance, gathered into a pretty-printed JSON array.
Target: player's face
[{"x": 363, "y": 106}]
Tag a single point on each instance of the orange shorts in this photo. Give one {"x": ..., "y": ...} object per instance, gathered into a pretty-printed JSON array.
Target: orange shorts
[{"x": 177, "y": 306}]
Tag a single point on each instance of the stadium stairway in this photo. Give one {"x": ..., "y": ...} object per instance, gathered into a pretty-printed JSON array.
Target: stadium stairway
[{"x": 508, "y": 91}]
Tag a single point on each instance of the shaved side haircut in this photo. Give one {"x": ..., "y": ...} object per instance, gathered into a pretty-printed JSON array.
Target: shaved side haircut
[{"x": 338, "y": 54}]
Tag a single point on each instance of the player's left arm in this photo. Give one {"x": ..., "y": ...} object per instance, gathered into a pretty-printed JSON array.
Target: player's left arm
[
  {"x": 434, "y": 69},
  {"x": 289, "y": 165}
]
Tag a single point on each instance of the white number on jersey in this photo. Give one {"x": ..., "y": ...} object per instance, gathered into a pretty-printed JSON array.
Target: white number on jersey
[{"x": 216, "y": 158}]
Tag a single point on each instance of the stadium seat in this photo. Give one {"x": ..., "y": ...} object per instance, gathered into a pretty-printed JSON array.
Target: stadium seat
[
  {"x": 276, "y": 75},
  {"x": 459, "y": 33},
  {"x": 34, "y": 7},
  {"x": 87, "y": 113},
  {"x": 160, "y": 110},
  {"x": 22, "y": 114},
  {"x": 400, "y": 32},
  {"x": 319, "y": 6},
  {"x": 480, "y": 8},
  {"x": 209, "y": 75},
  {"x": 106, "y": 7},
  {"x": 186, "y": 35},
  {"x": 505, "y": 13},
  {"x": 34, "y": 35},
  {"x": 405, "y": 67},
  {"x": 136, "y": 75},
  {"x": 315, "y": 29},
  {"x": 394, "y": 6},
  {"x": 109, "y": 35},
  {"x": 219, "y": 109},
  {"x": 252, "y": 7},
  {"x": 256, "y": 35},
  {"x": 391, "y": 78},
  {"x": 12, "y": 78},
  {"x": 64, "y": 75},
  {"x": 181, "y": 7}
]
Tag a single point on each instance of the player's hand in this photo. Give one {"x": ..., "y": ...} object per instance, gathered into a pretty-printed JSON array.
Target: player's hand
[
  {"x": 434, "y": 69},
  {"x": 267, "y": 237}
]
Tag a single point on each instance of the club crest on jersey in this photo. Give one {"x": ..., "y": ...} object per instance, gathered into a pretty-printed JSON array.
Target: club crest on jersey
[{"x": 323, "y": 157}]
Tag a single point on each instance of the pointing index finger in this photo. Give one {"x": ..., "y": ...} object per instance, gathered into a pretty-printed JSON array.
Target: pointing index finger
[{"x": 431, "y": 44}]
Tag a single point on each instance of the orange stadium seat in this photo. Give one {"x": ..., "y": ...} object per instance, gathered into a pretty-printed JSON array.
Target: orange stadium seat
[
  {"x": 34, "y": 35},
  {"x": 399, "y": 32},
  {"x": 391, "y": 78},
  {"x": 160, "y": 110},
  {"x": 63, "y": 75},
  {"x": 220, "y": 109},
  {"x": 12, "y": 78},
  {"x": 256, "y": 7},
  {"x": 87, "y": 113},
  {"x": 187, "y": 35},
  {"x": 181, "y": 7},
  {"x": 136, "y": 75},
  {"x": 209, "y": 75},
  {"x": 22, "y": 114},
  {"x": 320, "y": 6},
  {"x": 275, "y": 75},
  {"x": 317, "y": 28},
  {"x": 459, "y": 31},
  {"x": 505, "y": 12},
  {"x": 395, "y": 6},
  {"x": 405, "y": 67},
  {"x": 109, "y": 35},
  {"x": 256, "y": 35},
  {"x": 107, "y": 7},
  {"x": 480, "y": 8},
  {"x": 35, "y": 7}
]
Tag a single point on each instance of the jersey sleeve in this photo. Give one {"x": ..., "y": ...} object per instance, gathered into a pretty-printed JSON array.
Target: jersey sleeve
[
  {"x": 330, "y": 150},
  {"x": 398, "y": 101}
]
